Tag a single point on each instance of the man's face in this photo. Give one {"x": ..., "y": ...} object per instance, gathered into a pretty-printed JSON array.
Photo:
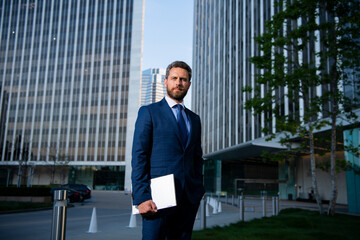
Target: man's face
[{"x": 177, "y": 84}]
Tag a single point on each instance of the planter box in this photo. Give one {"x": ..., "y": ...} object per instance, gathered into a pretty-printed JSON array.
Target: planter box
[{"x": 26, "y": 198}]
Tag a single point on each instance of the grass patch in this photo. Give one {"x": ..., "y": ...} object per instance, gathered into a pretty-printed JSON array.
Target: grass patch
[
  {"x": 290, "y": 224},
  {"x": 9, "y": 205}
]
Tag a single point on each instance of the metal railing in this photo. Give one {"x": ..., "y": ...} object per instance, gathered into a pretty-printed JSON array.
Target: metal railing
[{"x": 209, "y": 199}]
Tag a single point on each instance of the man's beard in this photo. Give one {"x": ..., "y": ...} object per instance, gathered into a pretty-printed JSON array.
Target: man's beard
[{"x": 178, "y": 97}]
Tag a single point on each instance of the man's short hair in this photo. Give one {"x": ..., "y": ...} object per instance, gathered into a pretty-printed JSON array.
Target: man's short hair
[{"x": 178, "y": 64}]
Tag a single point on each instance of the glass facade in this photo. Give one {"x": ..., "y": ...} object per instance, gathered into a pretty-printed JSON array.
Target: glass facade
[
  {"x": 352, "y": 137},
  {"x": 223, "y": 42},
  {"x": 65, "y": 74}
]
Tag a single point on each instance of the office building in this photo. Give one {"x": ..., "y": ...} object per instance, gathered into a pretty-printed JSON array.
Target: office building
[
  {"x": 232, "y": 139},
  {"x": 152, "y": 85},
  {"x": 69, "y": 77}
]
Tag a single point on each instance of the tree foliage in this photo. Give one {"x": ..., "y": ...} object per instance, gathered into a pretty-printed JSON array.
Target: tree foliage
[{"x": 308, "y": 77}]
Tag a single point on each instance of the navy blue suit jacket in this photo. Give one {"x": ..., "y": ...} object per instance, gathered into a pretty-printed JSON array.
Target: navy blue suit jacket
[{"x": 158, "y": 151}]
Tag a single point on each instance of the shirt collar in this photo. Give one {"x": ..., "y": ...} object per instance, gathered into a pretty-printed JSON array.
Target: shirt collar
[{"x": 172, "y": 103}]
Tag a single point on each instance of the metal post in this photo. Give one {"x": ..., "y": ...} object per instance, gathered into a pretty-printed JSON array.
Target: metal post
[
  {"x": 29, "y": 176},
  {"x": 19, "y": 175},
  {"x": 59, "y": 215},
  {"x": 232, "y": 200},
  {"x": 203, "y": 213},
  {"x": 8, "y": 177},
  {"x": 277, "y": 205},
  {"x": 263, "y": 206},
  {"x": 273, "y": 206},
  {"x": 226, "y": 198},
  {"x": 242, "y": 209},
  {"x": 32, "y": 175}
]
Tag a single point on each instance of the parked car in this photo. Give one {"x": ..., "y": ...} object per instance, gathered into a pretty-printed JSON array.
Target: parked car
[
  {"x": 72, "y": 194},
  {"x": 82, "y": 188}
]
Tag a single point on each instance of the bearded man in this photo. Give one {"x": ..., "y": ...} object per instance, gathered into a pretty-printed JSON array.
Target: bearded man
[{"x": 167, "y": 140}]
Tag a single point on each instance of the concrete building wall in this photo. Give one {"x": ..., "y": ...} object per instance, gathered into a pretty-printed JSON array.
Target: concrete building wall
[
  {"x": 304, "y": 180},
  {"x": 42, "y": 175}
]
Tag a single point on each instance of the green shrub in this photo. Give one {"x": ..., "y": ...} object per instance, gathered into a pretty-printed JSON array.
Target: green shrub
[{"x": 25, "y": 191}]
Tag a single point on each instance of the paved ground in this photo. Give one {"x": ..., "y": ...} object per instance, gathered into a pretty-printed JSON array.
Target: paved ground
[{"x": 113, "y": 214}]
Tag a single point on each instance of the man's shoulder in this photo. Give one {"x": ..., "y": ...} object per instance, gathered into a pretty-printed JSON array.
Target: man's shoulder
[
  {"x": 150, "y": 109},
  {"x": 189, "y": 112},
  {"x": 154, "y": 105}
]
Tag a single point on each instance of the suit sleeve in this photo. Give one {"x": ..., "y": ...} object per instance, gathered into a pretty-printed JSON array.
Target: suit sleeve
[
  {"x": 199, "y": 154},
  {"x": 141, "y": 152}
]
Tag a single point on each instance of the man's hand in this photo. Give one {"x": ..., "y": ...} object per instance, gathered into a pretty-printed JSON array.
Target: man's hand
[{"x": 147, "y": 208}]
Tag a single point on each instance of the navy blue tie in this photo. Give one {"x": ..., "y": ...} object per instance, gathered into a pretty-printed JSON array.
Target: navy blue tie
[{"x": 181, "y": 123}]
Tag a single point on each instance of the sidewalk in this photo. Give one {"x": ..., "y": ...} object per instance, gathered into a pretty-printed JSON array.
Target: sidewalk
[
  {"x": 120, "y": 202},
  {"x": 113, "y": 212},
  {"x": 230, "y": 214}
]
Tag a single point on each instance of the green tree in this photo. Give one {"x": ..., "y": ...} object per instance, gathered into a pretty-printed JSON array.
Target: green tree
[
  {"x": 57, "y": 163},
  {"x": 309, "y": 53}
]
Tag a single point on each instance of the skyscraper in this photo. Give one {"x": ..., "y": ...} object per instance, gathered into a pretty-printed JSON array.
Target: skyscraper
[
  {"x": 67, "y": 72},
  {"x": 224, "y": 40},
  {"x": 224, "y": 34},
  {"x": 152, "y": 85}
]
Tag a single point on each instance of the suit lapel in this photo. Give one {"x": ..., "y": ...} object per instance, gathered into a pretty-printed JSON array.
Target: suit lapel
[{"x": 191, "y": 121}]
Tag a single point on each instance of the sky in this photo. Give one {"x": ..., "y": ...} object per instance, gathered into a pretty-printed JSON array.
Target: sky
[{"x": 168, "y": 34}]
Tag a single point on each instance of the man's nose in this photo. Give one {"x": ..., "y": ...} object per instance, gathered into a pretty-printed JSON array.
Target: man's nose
[{"x": 178, "y": 81}]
